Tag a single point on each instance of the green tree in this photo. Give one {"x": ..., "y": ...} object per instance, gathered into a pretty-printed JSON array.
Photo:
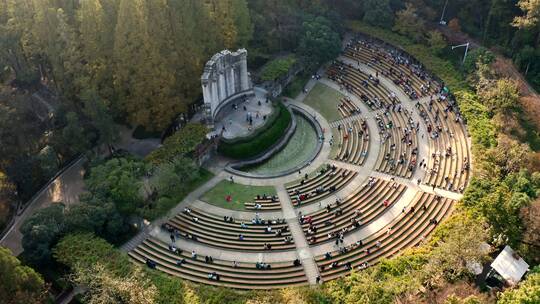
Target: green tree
[
  {"x": 73, "y": 135},
  {"x": 378, "y": 13},
  {"x": 118, "y": 180},
  {"x": 41, "y": 231},
  {"x": 531, "y": 8},
  {"x": 408, "y": 24},
  {"x": 502, "y": 96},
  {"x": 104, "y": 287},
  {"x": 436, "y": 42},
  {"x": 527, "y": 292},
  {"x": 96, "y": 109},
  {"x": 143, "y": 79},
  {"x": 319, "y": 43},
  {"x": 18, "y": 283},
  {"x": 168, "y": 176}
]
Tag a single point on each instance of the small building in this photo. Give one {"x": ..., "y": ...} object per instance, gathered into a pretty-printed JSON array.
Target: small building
[{"x": 507, "y": 269}]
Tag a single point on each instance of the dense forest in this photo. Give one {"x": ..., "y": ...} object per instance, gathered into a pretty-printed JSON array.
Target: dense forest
[{"x": 72, "y": 73}]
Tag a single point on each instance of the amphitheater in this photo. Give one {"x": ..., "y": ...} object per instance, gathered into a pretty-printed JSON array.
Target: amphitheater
[{"x": 389, "y": 170}]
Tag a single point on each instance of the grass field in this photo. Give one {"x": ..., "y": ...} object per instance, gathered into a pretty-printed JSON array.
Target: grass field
[
  {"x": 295, "y": 87},
  {"x": 239, "y": 194},
  {"x": 325, "y": 100}
]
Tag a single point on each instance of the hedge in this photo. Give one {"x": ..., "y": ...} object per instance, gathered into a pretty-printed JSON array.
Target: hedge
[
  {"x": 277, "y": 68},
  {"x": 260, "y": 141},
  {"x": 183, "y": 142}
]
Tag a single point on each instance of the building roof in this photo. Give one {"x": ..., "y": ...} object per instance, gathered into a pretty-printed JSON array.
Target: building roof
[{"x": 510, "y": 266}]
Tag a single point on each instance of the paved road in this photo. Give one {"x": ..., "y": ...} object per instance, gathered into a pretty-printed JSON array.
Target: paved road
[{"x": 65, "y": 188}]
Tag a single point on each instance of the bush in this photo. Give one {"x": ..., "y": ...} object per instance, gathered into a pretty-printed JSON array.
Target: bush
[
  {"x": 296, "y": 86},
  {"x": 141, "y": 133},
  {"x": 262, "y": 140},
  {"x": 182, "y": 143},
  {"x": 277, "y": 68}
]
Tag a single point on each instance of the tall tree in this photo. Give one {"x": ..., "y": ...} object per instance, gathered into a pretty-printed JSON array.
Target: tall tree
[
  {"x": 18, "y": 283},
  {"x": 146, "y": 89},
  {"x": 378, "y": 13}
]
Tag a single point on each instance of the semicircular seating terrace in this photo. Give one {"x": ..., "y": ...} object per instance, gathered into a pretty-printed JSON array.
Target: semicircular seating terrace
[
  {"x": 408, "y": 229},
  {"x": 359, "y": 209},
  {"x": 402, "y": 159},
  {"x": 226, "y": 232},
  {"x": 326, "y": 181},
  {"x": 203, "y": 269}
]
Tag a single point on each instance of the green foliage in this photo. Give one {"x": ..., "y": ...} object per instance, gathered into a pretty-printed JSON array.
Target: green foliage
[
  {"x": 478, "y": 122},
  {"x": 119, "y": 180},
  {"x": 436, "y": 42},
  {"x": 293, "y": 89},
  {"x": 319, "y": 43},
  {"x": 41, "y": 231},
  {"x": 408, "y": 23},
  {"x": 182, "y": 143},
  {"x": 85, "y": 249},
  {"x": 251, "y": 147},
  {"x": 73, "y": 134},
  {"x": 171, "y": 197},
  {"x": 18, "y": 283},
  {"x": 477, "y": 56},
  {"x": 527, "y": 292},
  {"x": 500, "y": 97},
  {"x": 277, "y": 68},
  {"x": 378, "y": 13}
]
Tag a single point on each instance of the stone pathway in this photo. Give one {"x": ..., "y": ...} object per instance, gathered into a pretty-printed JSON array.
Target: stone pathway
[{"x": 297, "y": 233}]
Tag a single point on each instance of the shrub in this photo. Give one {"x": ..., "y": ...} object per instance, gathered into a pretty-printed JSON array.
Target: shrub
[
  {"x": 277, "y": 68},
  {"x": 182, "y": 143}
]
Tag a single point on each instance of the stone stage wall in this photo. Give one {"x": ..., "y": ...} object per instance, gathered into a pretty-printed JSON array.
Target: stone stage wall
[{"x": 225, "y": 79}]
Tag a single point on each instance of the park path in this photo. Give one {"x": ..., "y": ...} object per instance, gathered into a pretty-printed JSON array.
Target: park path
[{"x": 65, "y": 188}]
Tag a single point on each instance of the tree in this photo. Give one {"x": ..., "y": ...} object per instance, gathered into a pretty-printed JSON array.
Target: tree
[
  {"x": 168, "y": 176},
  {"x": 102, "y": 120},
  {"x": 73, "y": 135},
  {"x": 530, "y": 216},
  {"x": 454, "y": 25},
  {"x": 457, "y": 243},
  {"x": 118, "y": 180},
  {"x": 408, "y": 24},
  {"x": 41, "y": 231},
  {"x": 436, "y": 42},
  {"x": 510, "y": 156},
  {"x": 501, "y": 96},
  {"x": 182, "y": 143},
  {"x": 378, "y": 13},
  {"x": 103, "y": 287},
  {"x": 319, "y": 43},
  {"x": 18, "y": 283},
  {"x": 527, "y": 292},
  {"x": 531, "y": 8}
]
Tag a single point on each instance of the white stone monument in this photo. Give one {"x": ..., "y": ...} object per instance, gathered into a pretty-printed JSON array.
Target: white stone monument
[{"x": 224, "y": 80}]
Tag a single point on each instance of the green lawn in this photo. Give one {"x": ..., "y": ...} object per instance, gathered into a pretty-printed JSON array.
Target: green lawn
[
  {"x": 295, "y": 87},
  {"x": 239, "y": 194},
  {"x": 325, "y": 100}
]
